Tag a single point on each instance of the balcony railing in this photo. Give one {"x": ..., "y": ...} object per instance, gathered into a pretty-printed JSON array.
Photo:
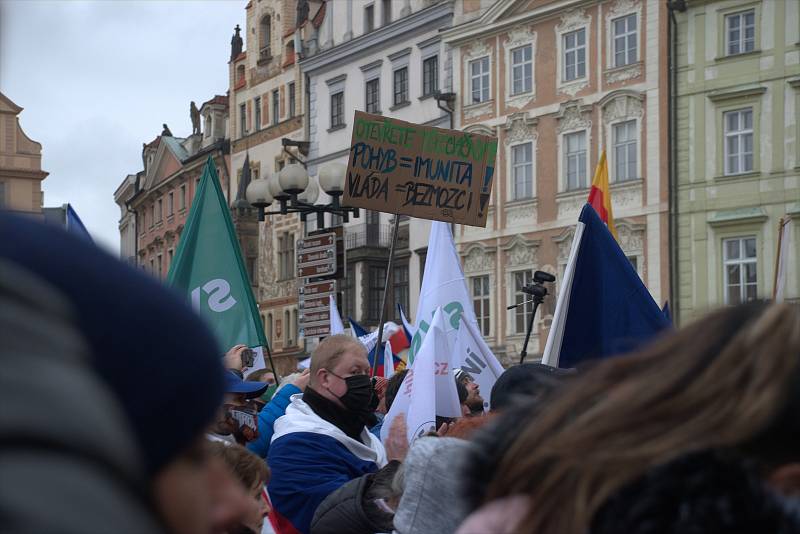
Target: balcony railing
[{"x": 367, "y": 235}]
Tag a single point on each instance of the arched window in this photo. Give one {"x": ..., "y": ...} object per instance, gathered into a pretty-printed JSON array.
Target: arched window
[
  {"x": 209, "y": 125},
  {"x": 264, "y": 37},
  {"x": 239, "y": 73}
]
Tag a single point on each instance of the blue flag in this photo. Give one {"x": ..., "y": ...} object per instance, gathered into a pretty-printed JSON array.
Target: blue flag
[{"x": 603, "y": 307}]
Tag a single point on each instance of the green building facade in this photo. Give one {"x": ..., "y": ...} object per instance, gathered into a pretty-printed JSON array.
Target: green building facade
[{"x": 737, "y": 135}]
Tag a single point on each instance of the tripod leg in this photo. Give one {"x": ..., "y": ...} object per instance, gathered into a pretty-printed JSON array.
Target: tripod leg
[{"x": 524, "y": 353}]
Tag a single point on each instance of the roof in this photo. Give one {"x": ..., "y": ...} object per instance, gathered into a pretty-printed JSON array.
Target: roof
[
  {"x": 218, "y": 99},
  {"x": 319, "y": 17},
  {"x": 175, "y": 146}
]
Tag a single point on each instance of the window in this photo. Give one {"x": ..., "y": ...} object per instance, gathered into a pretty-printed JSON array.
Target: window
[
  {"x": 251, "y": 269},
  {"x": 574, "y": 55},
  {"x": 242, "y": 120},
  {"x": 240, "y": 74},
  {"x": 373, "y": 96},
  {"x": 269, "y": 328},
  {"x": 160, "y": 210},
  {"x": 257, "y": 106},
  {"x": 159, "y": 264},
  {"x": 740, "y": 264},
  {"x": 287, "y": 328},
  {"x": 377, "y": 280},
  {"x": 209, "y": 126},
  {"x": 522, "y": 70},
  {"x": 481, "y": 302},
  {"x": 634, "y": 261},
  {"x": 349, "y": 292},
  {"x": 575, "y": 160},
  {"x": 625, "y": 151},
  {"x": 152, "y": 266},
  {"x": 738, "y": 141},
  {"x": 286, "y": 256},
  {"x": 401, "y": 86},
  {"x": 430, "y": 75},
  {"x": 479, "y": 76},
  {"x": 387, "y": 12},
  {"x": 183, "y": 196},
  {"x": 369, "y": 18},
  {"x": 276, "y": 102},
  {"x": 522, "y": 313},
  {"x": 337, "y": 110},
  {"x": 170, "y": 204},
  {"x": 152, "y": 215},
  {"x": 625, "y": 43},
  {"x": 522, "y": 170},
  {"x": 740, "y": 32},
  {"x": 295, "y": 332},
  {"x": 170, "y": 254},
  {"x": 264, "y": 38},
  {"x": 400, "y": 288},
  {"x": 292, "y": 102}
]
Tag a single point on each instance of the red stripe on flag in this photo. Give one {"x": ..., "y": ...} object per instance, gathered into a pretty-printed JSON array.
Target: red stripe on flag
[{"x": 596, "y": 200}]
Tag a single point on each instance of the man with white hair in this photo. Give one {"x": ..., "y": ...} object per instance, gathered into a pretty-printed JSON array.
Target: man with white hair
[{"x": 322, "y": 442}]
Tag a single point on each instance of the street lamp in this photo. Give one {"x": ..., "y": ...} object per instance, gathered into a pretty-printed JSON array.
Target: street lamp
[{"x": 296, "y": 192}]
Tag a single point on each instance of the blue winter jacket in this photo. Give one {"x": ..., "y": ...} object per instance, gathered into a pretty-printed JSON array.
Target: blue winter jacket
[{"x": 275, "y": 408}]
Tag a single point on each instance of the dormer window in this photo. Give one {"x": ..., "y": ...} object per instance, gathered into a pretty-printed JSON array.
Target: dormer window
[
  {"x": 264, "y": 38},
  {"x": 209, "y": 126}
]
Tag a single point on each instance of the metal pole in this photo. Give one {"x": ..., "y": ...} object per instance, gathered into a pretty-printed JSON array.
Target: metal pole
[
  {"x": 524, "y": 353},
  {"x": 272, "y": 364},
  {"x": 379, "y": 345}
]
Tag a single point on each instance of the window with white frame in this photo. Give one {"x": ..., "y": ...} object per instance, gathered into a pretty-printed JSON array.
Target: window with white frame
[
  {"x": 242, "y": 119},
  {"x": 337, "y": 110},
  {"x": 430, "y": 75},
  {"x": 738, "y": 141},
  {"x": 479, "y": 79},
  {"x": 625, "y": 151},
  {"x": 276, "y": 109},
  {"x": 170, "y": 204},
  {"x": 257, "y": 109},
  {"x": 292, "y": 101},
  {"x": 522, "y": 170},
  {"x": 740, "y": 32},
  {"x": 481, "y": 302},
  {"x": 522, "y": 70},
  {"x": 574, "y": 44},
  {"x": 401, "y": 86},
  {"x": 625, "y": 40},
  {"x": 369, "y": 18},
  {"x": 740, "y": 263},
  {"x": 523, "y": 312},
  {"x": 575, "y": 161},
  {"x": 373, "y": 96}
]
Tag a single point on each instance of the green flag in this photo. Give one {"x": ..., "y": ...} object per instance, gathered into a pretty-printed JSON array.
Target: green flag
[{"x": 208, "y": 266}]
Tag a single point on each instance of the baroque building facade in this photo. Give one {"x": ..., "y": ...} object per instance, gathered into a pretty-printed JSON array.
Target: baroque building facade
[
  {"x": 21, "y": 173},
  {"x": 267, "y": 107},
  {"x": 557, "y": 83},
  {"x": 154, "y": 203},
  {"x": 738, "y": 132}
]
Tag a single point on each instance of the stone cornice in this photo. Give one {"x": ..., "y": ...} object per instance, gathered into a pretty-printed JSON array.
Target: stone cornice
[
  {"x": 719, "y": 96},
  {"x": 424, "y": 20}
]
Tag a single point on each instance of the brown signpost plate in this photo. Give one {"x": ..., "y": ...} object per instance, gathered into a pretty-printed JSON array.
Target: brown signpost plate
[
  {"x": 320, "y": 269},
  {"x": 421, "y": 171},
  {"x": 318, "y": 288}
]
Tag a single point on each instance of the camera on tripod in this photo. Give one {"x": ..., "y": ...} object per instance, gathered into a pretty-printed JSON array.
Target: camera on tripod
[{"x": 537, "y": 289}]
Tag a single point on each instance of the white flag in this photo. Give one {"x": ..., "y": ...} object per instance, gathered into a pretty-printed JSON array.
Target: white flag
[
  {"x": 443, "y": 285},
  {"x": 429, "y": 387},
  {"x": 337, "y": 327},
  {"x": 388, "y": 360},
  {"x": 782, "y": 264},
  {"x": 476, "y": 358}
]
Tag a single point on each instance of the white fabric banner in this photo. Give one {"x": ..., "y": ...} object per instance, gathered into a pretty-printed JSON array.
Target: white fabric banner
[
  {"x": 429, "y": 388},
  {"x": 476, "y": 358},
  {"x": 337, "y": 327},
  {"x": 443, "y": 285},
  {"x": 388, "y": 360}
]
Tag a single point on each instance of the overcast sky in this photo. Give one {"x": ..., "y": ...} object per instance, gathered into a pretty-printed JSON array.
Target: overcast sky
[{"x": 98, "y": 78}]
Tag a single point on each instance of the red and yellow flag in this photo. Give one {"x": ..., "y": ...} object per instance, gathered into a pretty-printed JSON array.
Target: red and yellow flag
[{"x": 600, "y": 194}]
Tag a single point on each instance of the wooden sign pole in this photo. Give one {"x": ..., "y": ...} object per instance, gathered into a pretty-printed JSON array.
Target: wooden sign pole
[{"x": 379, "y": 345}]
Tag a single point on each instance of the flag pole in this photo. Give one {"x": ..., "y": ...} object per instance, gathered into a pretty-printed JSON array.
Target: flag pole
[
  {"x": 781, "y": 224},
  {"x": 379, "y": 346}
]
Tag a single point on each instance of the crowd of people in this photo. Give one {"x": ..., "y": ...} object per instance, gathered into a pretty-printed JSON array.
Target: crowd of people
[{"x": 119, "y": 414}]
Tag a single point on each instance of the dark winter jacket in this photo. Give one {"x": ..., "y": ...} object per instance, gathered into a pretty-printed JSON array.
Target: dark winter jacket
[
  {"x": 702, "y": 493},
  {"x": 351, "y": 510}
]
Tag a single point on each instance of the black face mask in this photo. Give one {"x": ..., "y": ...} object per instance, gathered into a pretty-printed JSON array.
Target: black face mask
[{"x": 360, "y": 397}]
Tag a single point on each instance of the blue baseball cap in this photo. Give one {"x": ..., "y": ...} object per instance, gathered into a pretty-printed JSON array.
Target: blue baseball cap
[{"x": 250, "y": 389}]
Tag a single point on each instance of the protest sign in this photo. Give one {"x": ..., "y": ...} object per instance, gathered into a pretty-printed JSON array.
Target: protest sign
[{"x": 421, "y": 171}]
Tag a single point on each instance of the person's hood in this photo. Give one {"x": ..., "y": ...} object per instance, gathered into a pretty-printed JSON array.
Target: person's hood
[
  {"x": 431, "y": 500},
  {"x": 299, "y": 417}
]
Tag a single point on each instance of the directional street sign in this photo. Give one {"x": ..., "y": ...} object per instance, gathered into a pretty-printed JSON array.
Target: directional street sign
[{"x": 316, "y": 256}]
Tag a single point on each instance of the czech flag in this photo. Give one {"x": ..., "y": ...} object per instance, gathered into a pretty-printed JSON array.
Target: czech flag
[
  {"x": 603, "y": 307},
  {"x": 600, "y": 194},
  {"x": 392, "y": 333}
]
